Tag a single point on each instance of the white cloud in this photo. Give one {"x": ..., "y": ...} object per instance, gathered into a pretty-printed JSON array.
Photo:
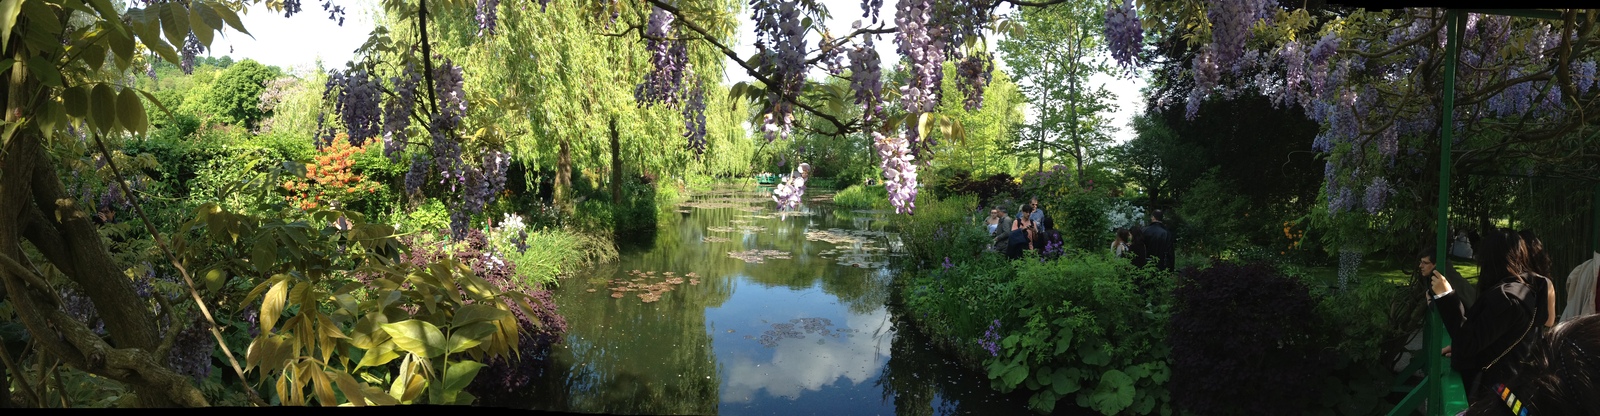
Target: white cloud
[{"x": 800, "y": 365}]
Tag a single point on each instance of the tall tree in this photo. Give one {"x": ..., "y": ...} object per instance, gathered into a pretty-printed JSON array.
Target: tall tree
[{"x": 1053, "y": 61}]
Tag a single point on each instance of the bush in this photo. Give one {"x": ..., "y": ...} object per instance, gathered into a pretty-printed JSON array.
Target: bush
[
  {"x": 862, "y": 197},
  {"x": 1244, "y": 341},
  {"x": 1072, "y": 328},
  {"x": 991, "y": 191},
  {"x": 943, "y": 228}
]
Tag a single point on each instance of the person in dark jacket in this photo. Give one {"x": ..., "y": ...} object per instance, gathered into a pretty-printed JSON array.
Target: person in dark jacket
[
  {"x": 1426, "y": 266},
  {"x": 1156, "y": 241},
  {"x": 1559, "y": 377},
  {"x": 1501, "y": 327}
]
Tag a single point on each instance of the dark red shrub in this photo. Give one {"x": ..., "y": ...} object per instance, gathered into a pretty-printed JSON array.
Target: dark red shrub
[{"x": 1244, "y": 342}]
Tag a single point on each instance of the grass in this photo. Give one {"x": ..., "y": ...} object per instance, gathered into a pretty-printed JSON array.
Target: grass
[
  {"x": 1380, "y": 269},
  {"x": 862, "y": 197}
]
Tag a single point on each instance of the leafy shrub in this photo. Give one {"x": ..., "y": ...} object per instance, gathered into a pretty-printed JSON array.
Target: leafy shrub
[
  {"x": 1215, "y": 216},
  {"x": 990, "y": 191},
  {"x": 1071, "y": 328},
  {"x": 862, "y": 197},
  {"x": 540, "y": 326},
  {"x": 943, "y": 228},
  {"x": 1243, "y": 341},
  {"x": 426, "y": 217}
]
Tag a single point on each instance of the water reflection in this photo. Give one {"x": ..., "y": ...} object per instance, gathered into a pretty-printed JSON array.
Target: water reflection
[{"x": 797, "y": 335}]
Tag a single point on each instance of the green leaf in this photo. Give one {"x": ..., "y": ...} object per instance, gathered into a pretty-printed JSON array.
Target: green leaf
[
  {"x": 102, "y": 108},
  {"x": 232, "y": 18},
  {"x": 922, "y": 124},
  {"x": 202, "y": 29},
  {"x": 130, "y": 112},
  {"x": 41, "y": 17},
  {"x": 475, "y": 313},
  {"x": 1094, "y": 355},
  {"x": 1016, "y": 374},
  {"x": 1063, "y": 383},
  {"x": 471, "y": 336},
  {"x": 8, "y": 19},
  {"x": 94, "y": 55},
  {"x": 214, "y": 279},
  {"x": 264, "y": 254},
  {"x": 1114, "y": 393},
  {"x": 1063, "y": 340},
  {"x": 175, "y": 23},
  {"x": 382, "y": 354},
  {"x": 76, "y": 101},
  {"x": 368, "y": 332},
  {"x": 417, "y": 337}
]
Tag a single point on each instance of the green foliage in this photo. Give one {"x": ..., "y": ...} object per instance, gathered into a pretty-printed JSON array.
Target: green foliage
[
  {"x": 862, "y": 197},
  {"x": 985, "y": 146},
  {"x": 1079, "y": 209},
  {"x": 1215, "y": 217},
  {"x": 431, "y": 215},
  {"x": 1073, "y": 328},
  {"x": 943, "y": 228},
  {"x": 235, "y": 97},
  {"x": 342, "y": 331}
]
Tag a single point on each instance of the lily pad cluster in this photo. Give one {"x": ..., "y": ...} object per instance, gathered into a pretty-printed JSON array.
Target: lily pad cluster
[
  {"x": 714, "y": 239},
  {"x": 719, "y": 229},
  {"x": 645, "y": 283},
  {"x": 758, "y": 256},
  {"x": 798, "y": 328}
]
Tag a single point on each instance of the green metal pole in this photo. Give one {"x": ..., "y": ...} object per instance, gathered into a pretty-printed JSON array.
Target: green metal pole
[{"x": 1444, "y": 391}]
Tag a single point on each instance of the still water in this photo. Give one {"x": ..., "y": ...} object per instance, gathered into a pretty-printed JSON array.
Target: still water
[{"x": 736, "y": 309}]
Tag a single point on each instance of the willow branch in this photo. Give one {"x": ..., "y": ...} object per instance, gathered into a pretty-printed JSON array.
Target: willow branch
[{"x": 841, "y": 128}]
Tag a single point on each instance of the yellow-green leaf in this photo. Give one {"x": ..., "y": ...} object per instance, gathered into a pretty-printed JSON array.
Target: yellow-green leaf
[
  {"x": 417, "y": 337},
  {"x": 349, "y": 386},
  {"x": 214, "y": 279},
  {"x": 130, "y": 111},
  {"x": 232, "y": 18},
  {"x": 76, "y": 101},
  {"x": 272, "y": 305},
  {"x": 475, "y": 313},
  {"x": 469, "y": 336},
  {"x": 102, "y": 108},
  {"x": 381, "y": 355},
  {"x": 8, "y": 19},
  {"x": 95, "y": 55},
  {"x": 459, "y": 375},
  {"x": 368, "y": 332},
  {"x": 323, "y": 387}
]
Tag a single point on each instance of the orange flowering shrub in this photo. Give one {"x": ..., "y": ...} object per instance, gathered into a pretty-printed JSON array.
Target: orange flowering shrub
[{"x": 330, "y": 179}]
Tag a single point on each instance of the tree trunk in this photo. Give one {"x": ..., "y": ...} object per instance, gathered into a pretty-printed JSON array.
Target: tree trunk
[
  {"x": 563, "y": 183},
  {"x": 66, "y": 238},
  {"x": 616, "y": 164},
  {"x": 1072, "y": 101}
]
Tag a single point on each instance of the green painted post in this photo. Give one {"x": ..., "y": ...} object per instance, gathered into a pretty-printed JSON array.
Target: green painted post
[
  {"x": 1594, "y": 221},
  {"x": 1445, "y": 396}
]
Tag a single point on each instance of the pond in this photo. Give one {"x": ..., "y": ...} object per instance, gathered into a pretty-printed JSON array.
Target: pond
[{"x": 736, "y": 309}]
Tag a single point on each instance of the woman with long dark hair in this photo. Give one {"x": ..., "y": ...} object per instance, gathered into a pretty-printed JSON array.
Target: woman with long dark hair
[
  {"x": 1557, "y": 378},
  {"x": 1512, "y": 310}
]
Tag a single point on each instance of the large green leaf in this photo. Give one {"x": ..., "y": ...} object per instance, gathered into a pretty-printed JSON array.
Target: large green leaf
[
  {"x": 1063, "y": 383},
  {"x": 76, "y": 101},
  {"x": 458, "y": 375},
  {"x": 232, "y": 18},
  {"x": 418, "y": 337},
  {"x": 475, "y": 313},
  {"x": 1114, "y": 393},
  {"x": 8, "y": 19},
  {"x": 103, "y": 108},
  {"x": 130, "y": 111},
  {"x": 383, "y": 354},
  {"x": 199, "y": 24},
  {"x": 1016, "y": 375},
  {"x": 469, "y": 336},
  {"x": 175, "y": 23}
]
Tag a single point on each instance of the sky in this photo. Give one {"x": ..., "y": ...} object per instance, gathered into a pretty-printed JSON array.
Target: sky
[{"x": 297, "y": 43}]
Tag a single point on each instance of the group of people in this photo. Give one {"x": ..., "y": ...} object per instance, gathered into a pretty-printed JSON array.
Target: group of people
[
  {"x": 1142, "y": 243},
  {"x": 1033, "y": 229},
  {"x": 1504, "y": 339}
]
